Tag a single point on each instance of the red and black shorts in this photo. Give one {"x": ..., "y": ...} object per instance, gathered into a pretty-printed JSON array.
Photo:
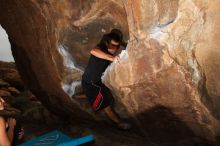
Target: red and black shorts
[{"x": 99, "y": 96}]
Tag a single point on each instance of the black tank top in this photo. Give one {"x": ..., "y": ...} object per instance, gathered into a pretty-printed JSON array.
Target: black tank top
[{"x": 96, "y": 67}]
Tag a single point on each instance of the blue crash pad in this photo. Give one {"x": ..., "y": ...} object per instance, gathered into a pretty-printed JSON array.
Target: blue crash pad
[{"x": 57, "y": 138}]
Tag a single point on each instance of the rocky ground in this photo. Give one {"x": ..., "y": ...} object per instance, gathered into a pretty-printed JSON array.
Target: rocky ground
[{"x": 37, "y": 120}]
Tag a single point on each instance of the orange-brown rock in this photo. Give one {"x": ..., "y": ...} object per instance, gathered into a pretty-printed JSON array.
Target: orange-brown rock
[
  {"x": 171, "y": 61},
  {"x": 3, "y": 83},
  {"x": 13, "y": 91},
  {"x": 9, "y": 73},
  {"x": 4, "y": 93}
]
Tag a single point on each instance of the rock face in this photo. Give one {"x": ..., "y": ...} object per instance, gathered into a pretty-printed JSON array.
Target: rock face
[
  {"x": 171, "y": 61},
  {"x": 9, "y": 73}
]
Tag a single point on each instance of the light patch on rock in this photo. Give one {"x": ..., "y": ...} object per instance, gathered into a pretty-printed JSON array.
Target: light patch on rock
[
  {"x": 196, "y": 75},
  {"x": 158, "y": 31},
  {"x": 123, "y": 56},
  {"x": 69, "y": 88},
  {"x": 67, "y": 58},
  {"x": 183, "y": 35},
  {"x": 103, "y": 30}
]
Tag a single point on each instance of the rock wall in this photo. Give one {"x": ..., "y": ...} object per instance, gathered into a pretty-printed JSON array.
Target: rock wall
[{"x": 172, "y": 57}]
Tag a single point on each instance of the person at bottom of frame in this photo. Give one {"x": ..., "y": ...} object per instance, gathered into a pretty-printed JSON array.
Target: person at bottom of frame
[
  {"x": 10, "y": 130},
  {"x": 98, "y": 95}
]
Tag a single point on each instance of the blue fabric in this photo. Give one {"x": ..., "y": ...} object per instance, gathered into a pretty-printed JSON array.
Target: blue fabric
[
  {"x": 78, "y": 141},
  {"x": 57, "y": 138}
]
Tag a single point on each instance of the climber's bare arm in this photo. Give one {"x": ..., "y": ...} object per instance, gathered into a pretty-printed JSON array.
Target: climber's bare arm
[{"x": 100, "y": 54}]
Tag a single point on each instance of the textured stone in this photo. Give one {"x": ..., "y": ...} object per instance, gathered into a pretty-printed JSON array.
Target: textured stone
[
  {"x": 162, "y": 63},
  {"x": 3, "y": 83},
  {"x": 171, "y": 61},
  {"x": 4, "y": 93},
  {"x": 13, "y": 91},
  {"x": 9, "y": 73}
]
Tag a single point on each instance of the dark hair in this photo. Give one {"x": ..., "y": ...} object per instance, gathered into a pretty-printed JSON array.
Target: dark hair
[
  {"x": 118, "y": 32},
  {"x": 113, "y": 36}
]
